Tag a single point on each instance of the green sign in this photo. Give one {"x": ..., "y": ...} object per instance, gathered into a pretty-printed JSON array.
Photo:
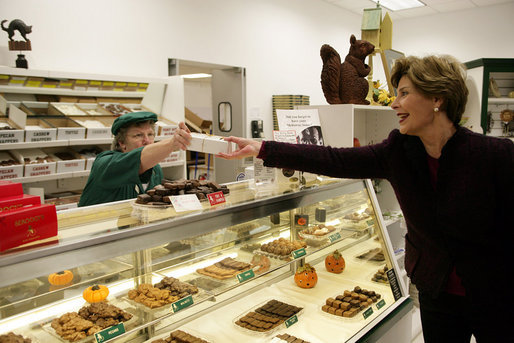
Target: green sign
[
  {"x": 109, "y": 333},
  {"x": 182, "y": 303},
  {"x": 368, "y": 312},
  {"x": 381, "y": 304},
  {"x": 336, "y": 236},
  {"x": 242, "y": 277},
  {"x": 299, "y": 253},
  {"x": 291, "y": 321}
]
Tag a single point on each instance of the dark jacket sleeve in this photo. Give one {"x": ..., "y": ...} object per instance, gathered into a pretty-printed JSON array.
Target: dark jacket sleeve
[{"x": 359, "y": 163}]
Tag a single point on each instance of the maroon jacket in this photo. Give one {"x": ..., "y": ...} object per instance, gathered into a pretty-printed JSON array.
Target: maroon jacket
[{"x": 467, "y": 222}]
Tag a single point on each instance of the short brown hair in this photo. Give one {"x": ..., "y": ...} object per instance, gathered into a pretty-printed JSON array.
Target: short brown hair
[
  {"x": 122, "y": 134},
  {"x": 442, "y": 76}
]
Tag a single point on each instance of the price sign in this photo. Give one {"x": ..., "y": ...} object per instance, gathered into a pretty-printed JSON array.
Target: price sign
[
  {"x": 182, "y": 303},
  {"x": 381, "y": 304},
  {"x": 336, "y": 236},
  {"x": 291, "y": 321},
  {"x": 216, "y": 198},
  {"x": 299, "y": 253},
  {"x": 186, "y": 202},
  {"x": 109, "y": 333},
  {"x": 245, "y": 275},
  {"x": 368, "y": 313}
]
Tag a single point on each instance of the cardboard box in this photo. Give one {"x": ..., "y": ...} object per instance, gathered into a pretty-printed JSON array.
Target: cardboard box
[
  {"x": 17, "y": 201},
  {"x": 196, "y": 120},
  {"x": 165, "y": 127},
  {"x": 94, "y": 85},
  {"x": 10, "y": 189},
  {"x": 34, "y": 81},
  {"x": 4, "y": 79},
  {"x": 88, "y": 153},
  {"x": 13, "y": 135},
  {"x": 17, "y": 81},
  {"x": 10, "y": 167},
  {"x": 35, "y": 108},
  {"x": 65, "y": 108},
  {"x": 38, "y": 130},
  {"x": 27, "y": 224},
  {"x": 115, "y": 109},
  {"x": 68, "y": 84},
  {"x": 37, "y": 162},
  {"x": 67, "y": 160},
  {"x": 66, "y": 98},
  {"x": 209, "y": 144},
  {"x": 50, "y": 84},
  {"x": 93, "y": 109},
  {"x": 67, "y": 128},
  {"x": 107, "y": 85},
  {"x": 97, "y": 127},
  {"x": 81, "y": 85}
]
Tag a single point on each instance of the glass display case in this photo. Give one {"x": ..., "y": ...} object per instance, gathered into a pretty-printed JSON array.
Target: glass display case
[{"x": 224, "y": 273}]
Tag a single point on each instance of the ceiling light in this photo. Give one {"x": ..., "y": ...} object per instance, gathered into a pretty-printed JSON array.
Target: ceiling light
[
  {"x": 196, "y": 76},
  {"x": 398, "y": 5}
]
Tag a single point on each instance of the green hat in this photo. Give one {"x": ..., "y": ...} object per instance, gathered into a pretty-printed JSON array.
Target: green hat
[{"x": 132, "y": 117}]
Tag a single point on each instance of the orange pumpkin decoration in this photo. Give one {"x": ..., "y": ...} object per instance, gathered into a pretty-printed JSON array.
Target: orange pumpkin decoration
[
  {"x": 306, "y": 277},
  {"x": 95, "y": 293},
  {"x": 60, "y": 278},
  {"x": 335, "y": 263}
]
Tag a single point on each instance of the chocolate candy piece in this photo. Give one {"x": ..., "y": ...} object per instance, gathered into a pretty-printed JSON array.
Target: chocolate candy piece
[{"x": 143, "y": 198}]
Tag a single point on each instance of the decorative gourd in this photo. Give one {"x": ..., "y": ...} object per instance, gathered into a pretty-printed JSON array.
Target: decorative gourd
[
  {"x": 95, "y": 293},
  {"x": 335, "y": 263},
  {"x": 60, "y": 278},
  {"x": 306, "y": 277}
]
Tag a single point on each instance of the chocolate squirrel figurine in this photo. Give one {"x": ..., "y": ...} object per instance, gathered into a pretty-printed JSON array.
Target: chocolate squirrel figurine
[
  {"x": 17, "y": 24},
  {"x": 345, "y": 83}
]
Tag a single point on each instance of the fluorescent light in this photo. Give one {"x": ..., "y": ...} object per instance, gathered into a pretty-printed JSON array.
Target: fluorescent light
[
  {"x": 398, "y": 5},
  {"x": 196, "y": 76}
]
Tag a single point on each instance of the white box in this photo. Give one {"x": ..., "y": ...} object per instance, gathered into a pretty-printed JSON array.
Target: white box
[
  {"x": 10, "y": 136},
  {"x": 88, "y": 154},
  {"x": 165, "y": 127},
  {"x": 96, "y": 127},
  {"x": 10, "y": 172},
  {"x": 37, "y": 130},
  {"x": 34, "y": 169},
  {"x": 209, "y": 144},
  {"x": 77, "y": 163},
  {"x": 67, "y": 128},
  {"x": 173, "y": 157}
]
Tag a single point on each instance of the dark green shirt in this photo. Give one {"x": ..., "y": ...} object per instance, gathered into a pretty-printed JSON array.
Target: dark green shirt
[{"x": 115, "y": 176}]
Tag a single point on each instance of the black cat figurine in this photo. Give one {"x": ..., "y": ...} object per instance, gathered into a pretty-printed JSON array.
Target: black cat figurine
[{"x": 17, "y": 24}]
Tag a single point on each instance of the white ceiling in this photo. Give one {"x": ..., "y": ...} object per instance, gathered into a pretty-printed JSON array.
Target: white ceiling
[{"x": 432, "y": 6}]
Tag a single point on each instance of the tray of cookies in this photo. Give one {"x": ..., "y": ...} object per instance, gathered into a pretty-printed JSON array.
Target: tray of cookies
[
  {"x": 280, "y": 248},
  {"x": 286, "y": 338},
  {"x": 350, "y": 303},
  {"x": 81, "y": 326},
  {"x": 375, "y": 255},
  {"x": 267, "y": 317},
  {"x": 15, "y": 336}
]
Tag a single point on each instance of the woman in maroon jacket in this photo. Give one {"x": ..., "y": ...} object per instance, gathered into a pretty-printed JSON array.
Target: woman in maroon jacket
[{"x": 455, "y": 189}]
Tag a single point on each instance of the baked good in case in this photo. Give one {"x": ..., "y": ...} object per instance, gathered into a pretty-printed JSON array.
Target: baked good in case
[{"x": 11, "y": 337}]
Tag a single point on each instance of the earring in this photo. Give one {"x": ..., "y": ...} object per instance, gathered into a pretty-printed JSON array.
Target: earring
[{"x": 436, "y": 109}]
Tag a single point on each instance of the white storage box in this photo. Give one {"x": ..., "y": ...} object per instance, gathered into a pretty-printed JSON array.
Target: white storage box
[
  {"x": 88, "y": 154},
  {"x": 209, "y": 144},
  {"x": 67, "y": 160},
  {"x": 165, "y": 127},
  {"x": 10, "y": 167},
  {"x": 96, "y": 127},
  {"x": 65, "y": 108},
  {"x": 173, "y": 157},
  {"x": 10, "y": 132},
  {"x": 67, "y": 128},
  {"x": 37, "y": 162},
  {"x": 38, "y": 130}
]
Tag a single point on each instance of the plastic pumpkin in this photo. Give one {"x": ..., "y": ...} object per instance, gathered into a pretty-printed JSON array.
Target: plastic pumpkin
[
  {"x": 60, "y": 278},
  {"x": 306, "y": 277},
  {"x": 335, "y": 263},
  {"x": 95, "y": 293}
]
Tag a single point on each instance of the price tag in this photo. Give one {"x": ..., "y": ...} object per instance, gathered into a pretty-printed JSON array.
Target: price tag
[
  {"x": 368, "y": 313},
  {"x": 381, "y": 304},
  {"x": 242, "y": 277},
  {"x": 336, "y": 236},
  {"x": 299, "y": 253},
  {"x": 186, "y": 202},
  {"x": 291, "y": 321},
  {"x": 216, "y": 198},
  {"x": 182, "y": 303},
  {"x": 109, "y": 333}
]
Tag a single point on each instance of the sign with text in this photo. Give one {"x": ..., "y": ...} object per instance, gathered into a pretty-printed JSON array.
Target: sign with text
[
  {"x": 216, "y": 198},
  {"x": 186, "y": 202},
  {"x": 182, "y": 303},
  {"x": 304, "y": 122},
  {"x": 299, "y": 253},
  {"x": 292, "y": 320},
  {"x": 368, "y": 313},
  {"x": 242, "y": 277},
  {"x": 285, "y": 136},
  {"x": 109, "y": 333}
]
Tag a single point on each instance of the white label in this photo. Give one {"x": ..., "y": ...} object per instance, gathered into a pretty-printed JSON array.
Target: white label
[
  {"x": 285, "y": 136},
  {"x": 186, "y": 202},
  {"x": 44, "y": 135},
  {"x": 11, "y": 136},
  {"x": 262, "y": 174}
]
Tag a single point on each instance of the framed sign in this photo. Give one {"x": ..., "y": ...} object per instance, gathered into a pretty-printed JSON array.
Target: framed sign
[{"x": 389, "y": 56}]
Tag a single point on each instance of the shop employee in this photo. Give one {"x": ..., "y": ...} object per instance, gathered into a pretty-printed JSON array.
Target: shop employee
[{"x": 131, "y": 166}]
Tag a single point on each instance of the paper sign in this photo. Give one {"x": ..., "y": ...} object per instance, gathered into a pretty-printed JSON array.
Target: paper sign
[
  {"x": 262, "y": 174},
  {"x": 285, "y": 136},
  {"x": 186, "y": 202},
  {"x": 216, "y": 198}
]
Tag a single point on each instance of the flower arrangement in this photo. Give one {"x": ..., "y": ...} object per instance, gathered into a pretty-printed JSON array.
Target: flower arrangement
[{"x": 381, "y": 96}]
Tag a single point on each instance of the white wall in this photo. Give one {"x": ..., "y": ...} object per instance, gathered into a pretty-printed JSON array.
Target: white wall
[{"x": 277, "y": 41}]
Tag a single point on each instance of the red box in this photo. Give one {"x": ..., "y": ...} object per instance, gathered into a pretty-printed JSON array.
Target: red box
[
  {"x": 27, "y": 224},
  {"x": 9, "y": 189},
  {"x": 11, "y": 203}
]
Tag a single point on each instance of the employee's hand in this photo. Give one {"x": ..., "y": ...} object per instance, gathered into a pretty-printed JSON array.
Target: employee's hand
[
  {"x": 181, "y": 137},
  {"x": 246, "y": 148}
]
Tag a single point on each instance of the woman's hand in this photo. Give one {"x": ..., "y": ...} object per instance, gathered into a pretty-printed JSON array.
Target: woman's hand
[
  {"x": 181, "y": 138},
  {"x": 246, "y": 148}
]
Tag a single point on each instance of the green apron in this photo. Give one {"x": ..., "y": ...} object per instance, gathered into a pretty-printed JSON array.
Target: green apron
[{"x": 115, "y": 176}]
